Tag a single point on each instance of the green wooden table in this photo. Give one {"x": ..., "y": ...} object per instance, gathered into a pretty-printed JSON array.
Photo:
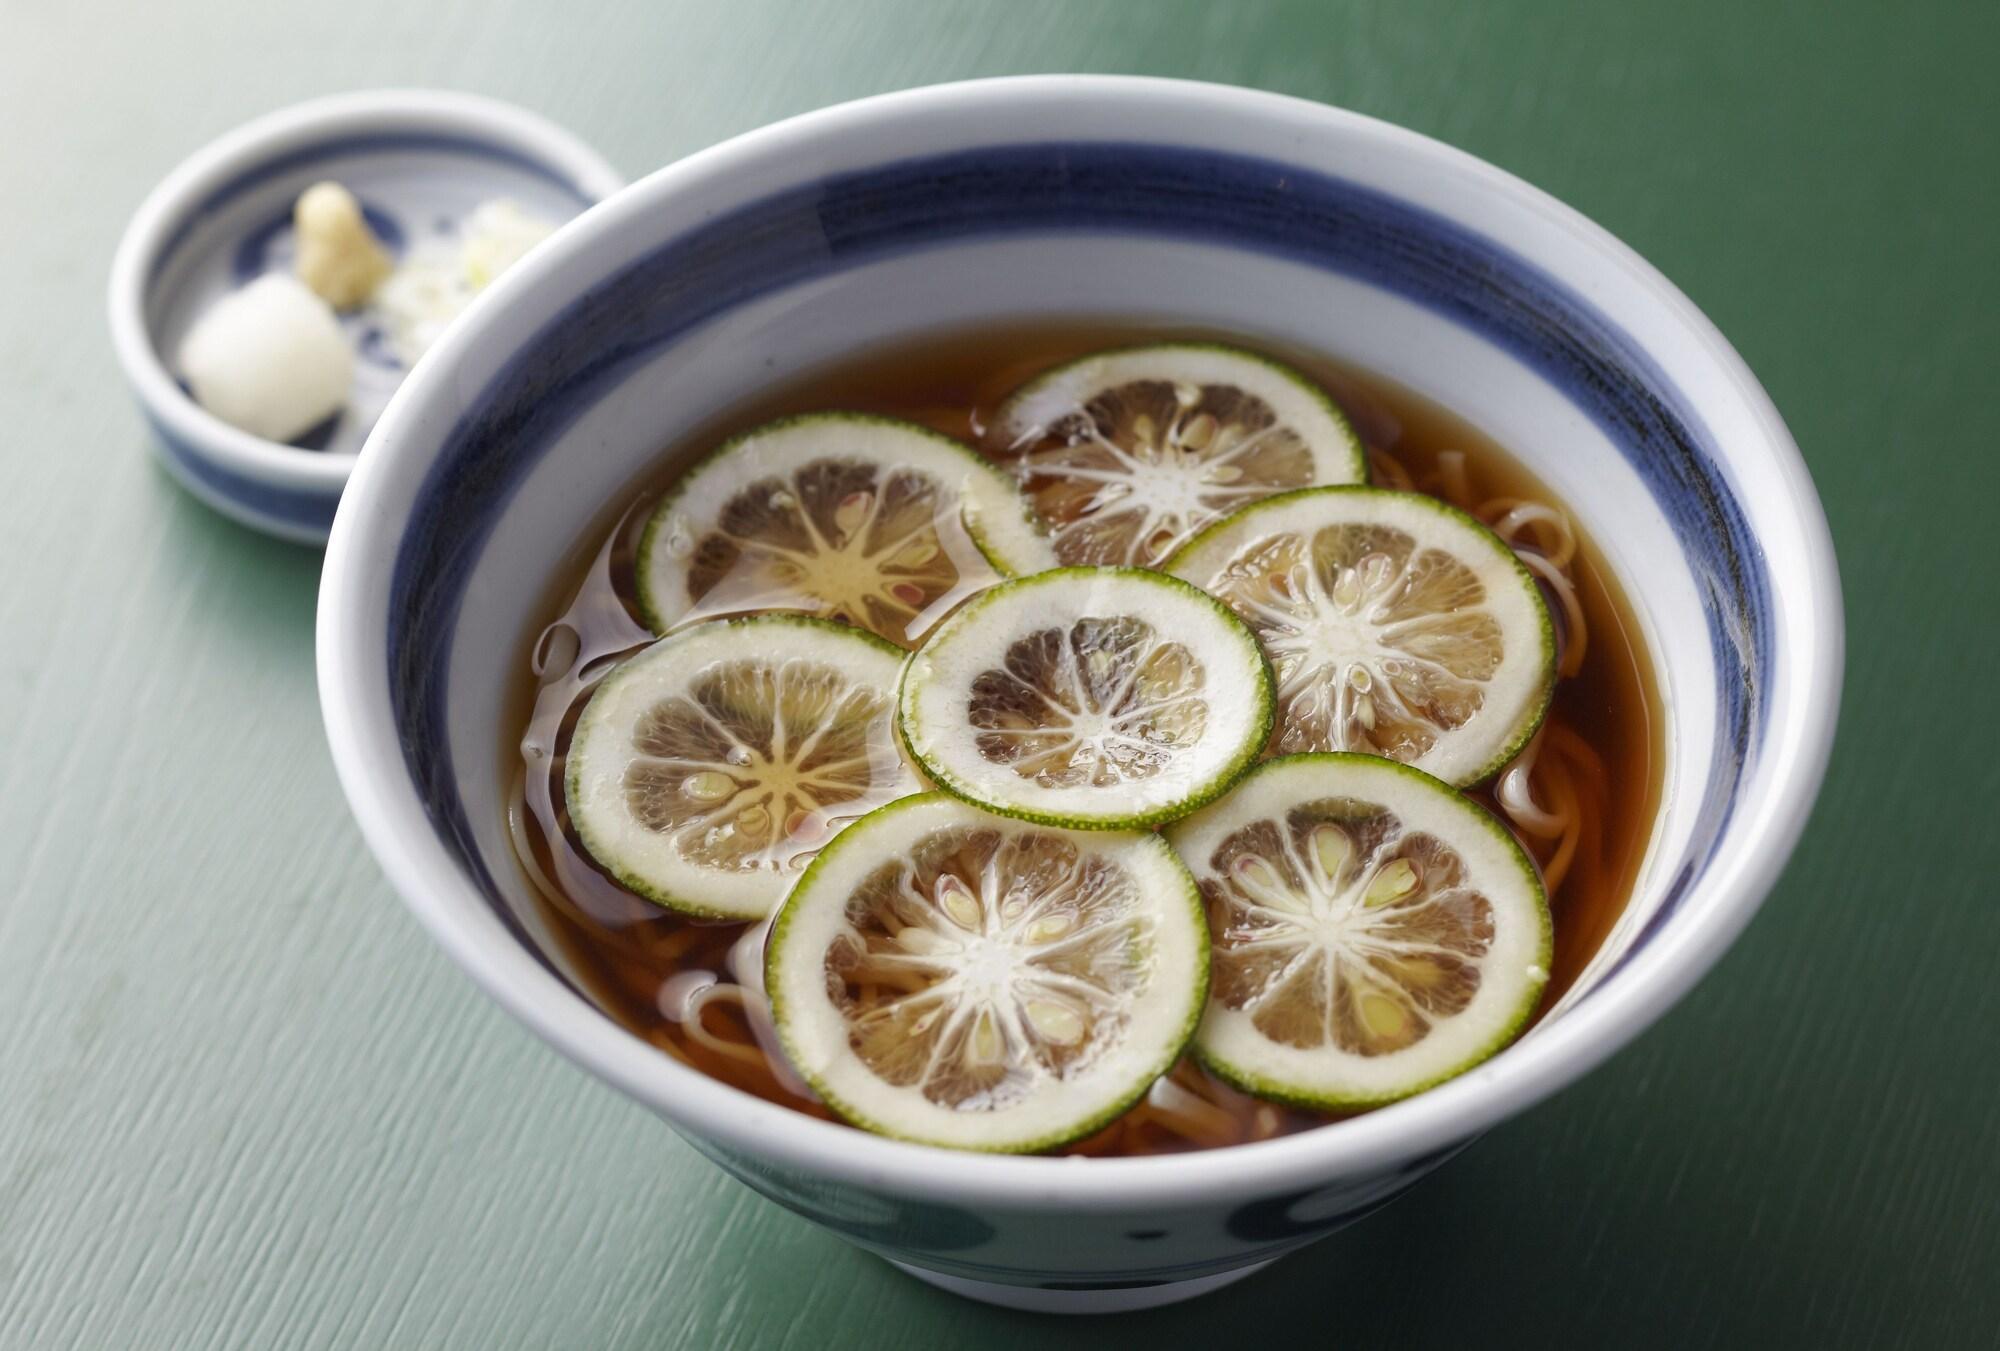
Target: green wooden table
[{"x": 244, "y": 1103}]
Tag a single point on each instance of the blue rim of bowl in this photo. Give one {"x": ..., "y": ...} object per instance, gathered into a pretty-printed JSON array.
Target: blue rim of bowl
[{"x": 850, "y": 220}]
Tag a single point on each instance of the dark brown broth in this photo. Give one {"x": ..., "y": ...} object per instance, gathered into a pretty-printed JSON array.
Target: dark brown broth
[{"x": 623, "y": 949}]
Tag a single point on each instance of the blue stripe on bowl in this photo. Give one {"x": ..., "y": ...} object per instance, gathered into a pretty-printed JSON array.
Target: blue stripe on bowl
[
  {"x": 1273, "y": 208},
  {"x": 301, "y": 508},
  {"x": 344, "y": 146}
]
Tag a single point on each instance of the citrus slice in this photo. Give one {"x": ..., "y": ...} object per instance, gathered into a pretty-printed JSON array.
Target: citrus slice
[
  {"x": 1395, "y": 624},
  {"x": 881, "y": 523},
  {"x": 953, "y": 977},
  {"x": 1374, "y": 931},
  {"x": 707, "y": 770},
  {"x": 1127, "y": 453},
  {"x": 1098, "y": 698}
]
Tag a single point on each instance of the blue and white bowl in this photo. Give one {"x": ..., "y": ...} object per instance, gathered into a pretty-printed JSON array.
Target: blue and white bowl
[
  {"x": 1089, "y": 197},
  {"x": 419, "y": 160}
]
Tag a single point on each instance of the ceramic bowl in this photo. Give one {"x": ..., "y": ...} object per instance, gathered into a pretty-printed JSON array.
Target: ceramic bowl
[
  {"x": 1280, "y": 220},
  {"x": 419, "y": 160}
]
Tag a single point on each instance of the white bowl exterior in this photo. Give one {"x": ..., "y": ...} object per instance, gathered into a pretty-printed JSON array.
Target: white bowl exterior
[{"x": 1047, "y": 1219}]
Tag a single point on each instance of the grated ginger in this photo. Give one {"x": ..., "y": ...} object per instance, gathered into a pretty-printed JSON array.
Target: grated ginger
[{"x": 339, "y": 257}]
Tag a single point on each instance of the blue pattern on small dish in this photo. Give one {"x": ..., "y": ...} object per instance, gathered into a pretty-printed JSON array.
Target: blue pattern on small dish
[{"x": 309, "y": 514}]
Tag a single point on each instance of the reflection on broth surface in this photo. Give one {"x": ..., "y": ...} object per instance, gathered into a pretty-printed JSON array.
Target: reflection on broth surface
[{"x": 1581, "y": 798}]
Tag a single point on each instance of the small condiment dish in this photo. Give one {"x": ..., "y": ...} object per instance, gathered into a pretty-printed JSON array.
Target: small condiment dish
[{"x": 419, "y": 160}]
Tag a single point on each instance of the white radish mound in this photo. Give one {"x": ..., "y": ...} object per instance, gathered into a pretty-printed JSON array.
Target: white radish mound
[{"x": 269, "y": 359}]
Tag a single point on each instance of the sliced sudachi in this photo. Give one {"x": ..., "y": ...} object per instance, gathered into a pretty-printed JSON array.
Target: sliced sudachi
[
  {"x": 1374, "y": 931},
  {"x": 706, "y": 771},
  {"x": 1128, "y": 453},
  {"x": 1087, "y": 697},
  {"x": 876, "y": 522},
  {"x": 1395, "y": 625},
  {"x": 949, "y": 976}
]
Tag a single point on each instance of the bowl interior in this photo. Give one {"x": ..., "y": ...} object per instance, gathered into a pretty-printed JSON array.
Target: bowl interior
[{"x": 1381, "y": 251}]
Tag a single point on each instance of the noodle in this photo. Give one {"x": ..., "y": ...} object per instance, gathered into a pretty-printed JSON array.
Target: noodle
[
  {"x": 1452, "y": 478},
  {"x": 665, "y": 1041},
  {"x": 1563, "y": 791},
  {"x": 1580, "y": 753},
  {"x": 517, "y": 830},
  {"x": 1188, "y": 1112},
  {"x": 1538, "y": 791},
  {"x": 1583, "y": 774},
  {"x": 1383, "y": 465},
  {"x": 1548, "y": 557},
  {"x": 1187, "y": 1107},
  {"x": 1537, "y": 515},
  {"x": 1515, "y": 794},
  {"x": 556, "y": 652},
  {"x": 672, "y": 945},
  {"x": 1545, "y": 773},
  {"x": 1549, "y": 771},
  {"x": 1576, "y": 629},
  {"x": 697, "y": 1028}
]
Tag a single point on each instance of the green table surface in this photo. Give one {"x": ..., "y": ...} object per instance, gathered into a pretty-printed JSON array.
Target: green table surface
[{"x": 245, "y": 1103}]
